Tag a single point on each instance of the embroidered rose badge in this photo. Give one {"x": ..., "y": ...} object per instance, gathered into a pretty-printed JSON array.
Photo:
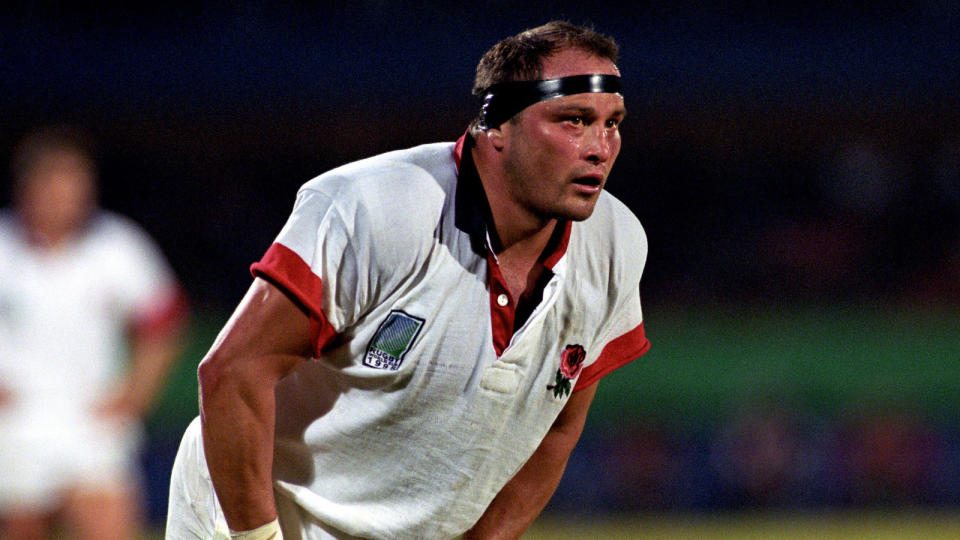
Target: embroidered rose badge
[{"x": 571, "y": 360}]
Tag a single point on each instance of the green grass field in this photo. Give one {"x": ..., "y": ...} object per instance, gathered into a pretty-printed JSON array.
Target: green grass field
[
  {"x": 807, "y": 526},
  {"x": 747, "y": 526},
  {"x": 703, "y": 366}
]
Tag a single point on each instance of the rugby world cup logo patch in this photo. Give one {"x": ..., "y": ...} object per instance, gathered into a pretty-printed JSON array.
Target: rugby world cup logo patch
[{"x": 392, "y": 341}]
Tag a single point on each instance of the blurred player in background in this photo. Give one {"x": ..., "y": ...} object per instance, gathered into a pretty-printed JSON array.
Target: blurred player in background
[
  {"x": 90, "y": 321},
  {"x": 419, "y": 348}
]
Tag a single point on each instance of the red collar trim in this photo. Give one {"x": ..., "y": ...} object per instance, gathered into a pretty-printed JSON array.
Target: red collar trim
[
  {"x": 561, "y": 249},
  {"x": 458, "y": 150}
]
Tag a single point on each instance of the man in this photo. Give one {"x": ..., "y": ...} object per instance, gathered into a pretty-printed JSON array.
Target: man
[
  {"x": 418, "y": 350},
  {"x": 78, "y": 286}
]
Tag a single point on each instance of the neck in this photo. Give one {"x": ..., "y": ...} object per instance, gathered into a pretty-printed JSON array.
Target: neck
[
  {"x": 526, "y": 240},
  {"x": 517, "y": 229},
  {"x": 47, "y": 237},
  {"x": 49, "y": 241}
]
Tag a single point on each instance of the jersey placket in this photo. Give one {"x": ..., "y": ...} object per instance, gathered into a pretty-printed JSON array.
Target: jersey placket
[{"x": 503, "y": 307}]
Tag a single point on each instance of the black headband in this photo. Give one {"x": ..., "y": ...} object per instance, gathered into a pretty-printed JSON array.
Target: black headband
[{"x": 503, "y": 100}]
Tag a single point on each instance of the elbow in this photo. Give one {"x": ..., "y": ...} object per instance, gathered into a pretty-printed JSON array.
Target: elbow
[
  {"x": 563, "y": 439},
  {"x": 226, "y": 377},
  {"x": 213, "y": 375}
]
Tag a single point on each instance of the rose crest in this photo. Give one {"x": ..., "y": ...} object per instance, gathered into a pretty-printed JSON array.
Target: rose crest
[{"x": 571, "y": 362}]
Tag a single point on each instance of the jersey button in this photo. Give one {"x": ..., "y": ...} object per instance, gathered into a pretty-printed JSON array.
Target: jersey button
[{"x": 503, "y": 300}]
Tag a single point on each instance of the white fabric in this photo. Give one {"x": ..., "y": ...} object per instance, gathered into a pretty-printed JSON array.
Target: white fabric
[
  {"x": 63, "y": 318},
  {"x": 269, "y": 531},
  {"x": 194, "y": 513},
  {"x": 420, "y": 451}
]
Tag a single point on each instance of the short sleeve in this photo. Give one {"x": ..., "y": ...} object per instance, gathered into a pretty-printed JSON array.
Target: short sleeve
[
  {"x": 314, "y": 261},
  {"x": 145, "y": 286},
  {"x": 628, "y": 344},
  {"x": 622, "y": 337}
]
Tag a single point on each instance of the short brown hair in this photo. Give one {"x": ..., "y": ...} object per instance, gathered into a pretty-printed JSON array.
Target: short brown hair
[
  {"x": 39, "y": 144},
  {"x": 520, "y": 57}
]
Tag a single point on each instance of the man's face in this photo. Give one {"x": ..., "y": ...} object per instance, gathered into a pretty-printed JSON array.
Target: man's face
[
  {"x": 57, "y": 194},
  {"x": 559, "y": 152}
]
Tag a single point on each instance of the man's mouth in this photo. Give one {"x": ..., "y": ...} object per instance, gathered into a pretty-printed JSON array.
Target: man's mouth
[
  {"x": 587, "y": 181},
  {"x": 589, "y": 184}
]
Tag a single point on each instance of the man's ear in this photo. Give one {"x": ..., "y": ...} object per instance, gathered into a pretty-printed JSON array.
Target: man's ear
[{"x": 496, "y": 138}]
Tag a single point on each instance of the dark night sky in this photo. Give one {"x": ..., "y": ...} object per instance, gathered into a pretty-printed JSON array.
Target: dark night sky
[{"x": 784, "y": 149}]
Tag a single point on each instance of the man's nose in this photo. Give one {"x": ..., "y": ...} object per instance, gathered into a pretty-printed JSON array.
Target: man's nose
[{"x": 599, "y": 144}]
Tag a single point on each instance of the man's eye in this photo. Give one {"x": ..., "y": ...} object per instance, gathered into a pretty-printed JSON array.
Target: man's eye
[
  {"x": 576, "y": 120},
  {"x": 613, "y": 123}
]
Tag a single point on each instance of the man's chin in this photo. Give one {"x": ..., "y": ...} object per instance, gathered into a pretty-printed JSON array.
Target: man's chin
[{"x": 579, "y": 212}]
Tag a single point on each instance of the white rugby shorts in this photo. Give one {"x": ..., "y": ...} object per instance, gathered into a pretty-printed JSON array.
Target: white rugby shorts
[{"x": 43, "y": 456}]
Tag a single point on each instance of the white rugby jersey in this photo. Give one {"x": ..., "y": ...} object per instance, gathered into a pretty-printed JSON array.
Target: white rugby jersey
[
  {"x": 423, "y": 402},
  {"x": 65, "y": 314}
]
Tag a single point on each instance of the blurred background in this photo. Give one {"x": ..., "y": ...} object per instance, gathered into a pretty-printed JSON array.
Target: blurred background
[{"x": 796, "y": 166}]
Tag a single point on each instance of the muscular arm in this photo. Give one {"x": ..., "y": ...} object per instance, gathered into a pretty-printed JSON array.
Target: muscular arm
[
  {"x": 525, "y": 495},
  {"x": 267, "y": 337}
]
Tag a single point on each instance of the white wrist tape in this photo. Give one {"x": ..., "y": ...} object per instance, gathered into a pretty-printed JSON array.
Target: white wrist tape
[{"x": 270, "y": 531}]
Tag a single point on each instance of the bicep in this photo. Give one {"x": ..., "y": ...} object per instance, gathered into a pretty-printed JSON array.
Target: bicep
[{"x": 267, "y": 327}]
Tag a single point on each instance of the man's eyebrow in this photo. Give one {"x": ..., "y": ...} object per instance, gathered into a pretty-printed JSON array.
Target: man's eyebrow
[
  {"x": 583, "y": 110},
  {"x": 575, "y": 109}
]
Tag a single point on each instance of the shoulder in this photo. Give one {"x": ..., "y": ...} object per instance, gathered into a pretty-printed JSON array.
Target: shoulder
[
  {"x": 110, "y": 228},
  {"x": 608, "y": 248},
  {"x": 398, "y": 193},
  {"x": 615, "y": 226},
  {"x": 121, "y": 239},
  {"x": 390, "y": 179},
  {"x": 381, "y": 213}
]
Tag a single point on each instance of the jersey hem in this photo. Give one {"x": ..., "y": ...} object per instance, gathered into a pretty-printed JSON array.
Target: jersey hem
[{"x": 617, "y": 353}]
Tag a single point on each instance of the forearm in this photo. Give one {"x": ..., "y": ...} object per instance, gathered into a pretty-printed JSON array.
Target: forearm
[
  {"x": 264, "y": 340},
  {"x": 237, "y": 416},
  {"x": 523, "y": 498},
  {"x": 150, "y": 363},
  {"x": 519, "y": 503}
]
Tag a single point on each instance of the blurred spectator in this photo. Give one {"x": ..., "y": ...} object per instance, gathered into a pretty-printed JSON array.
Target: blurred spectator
[
  {"x": 758, "y": 457},
  {"x": 864, "y": 179},
  {"x": 81, "y": 291},
  {"x": 829, "y": 252},
  {"x": 642, "y": 468},
  {"x": 888, "y": 458}
]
